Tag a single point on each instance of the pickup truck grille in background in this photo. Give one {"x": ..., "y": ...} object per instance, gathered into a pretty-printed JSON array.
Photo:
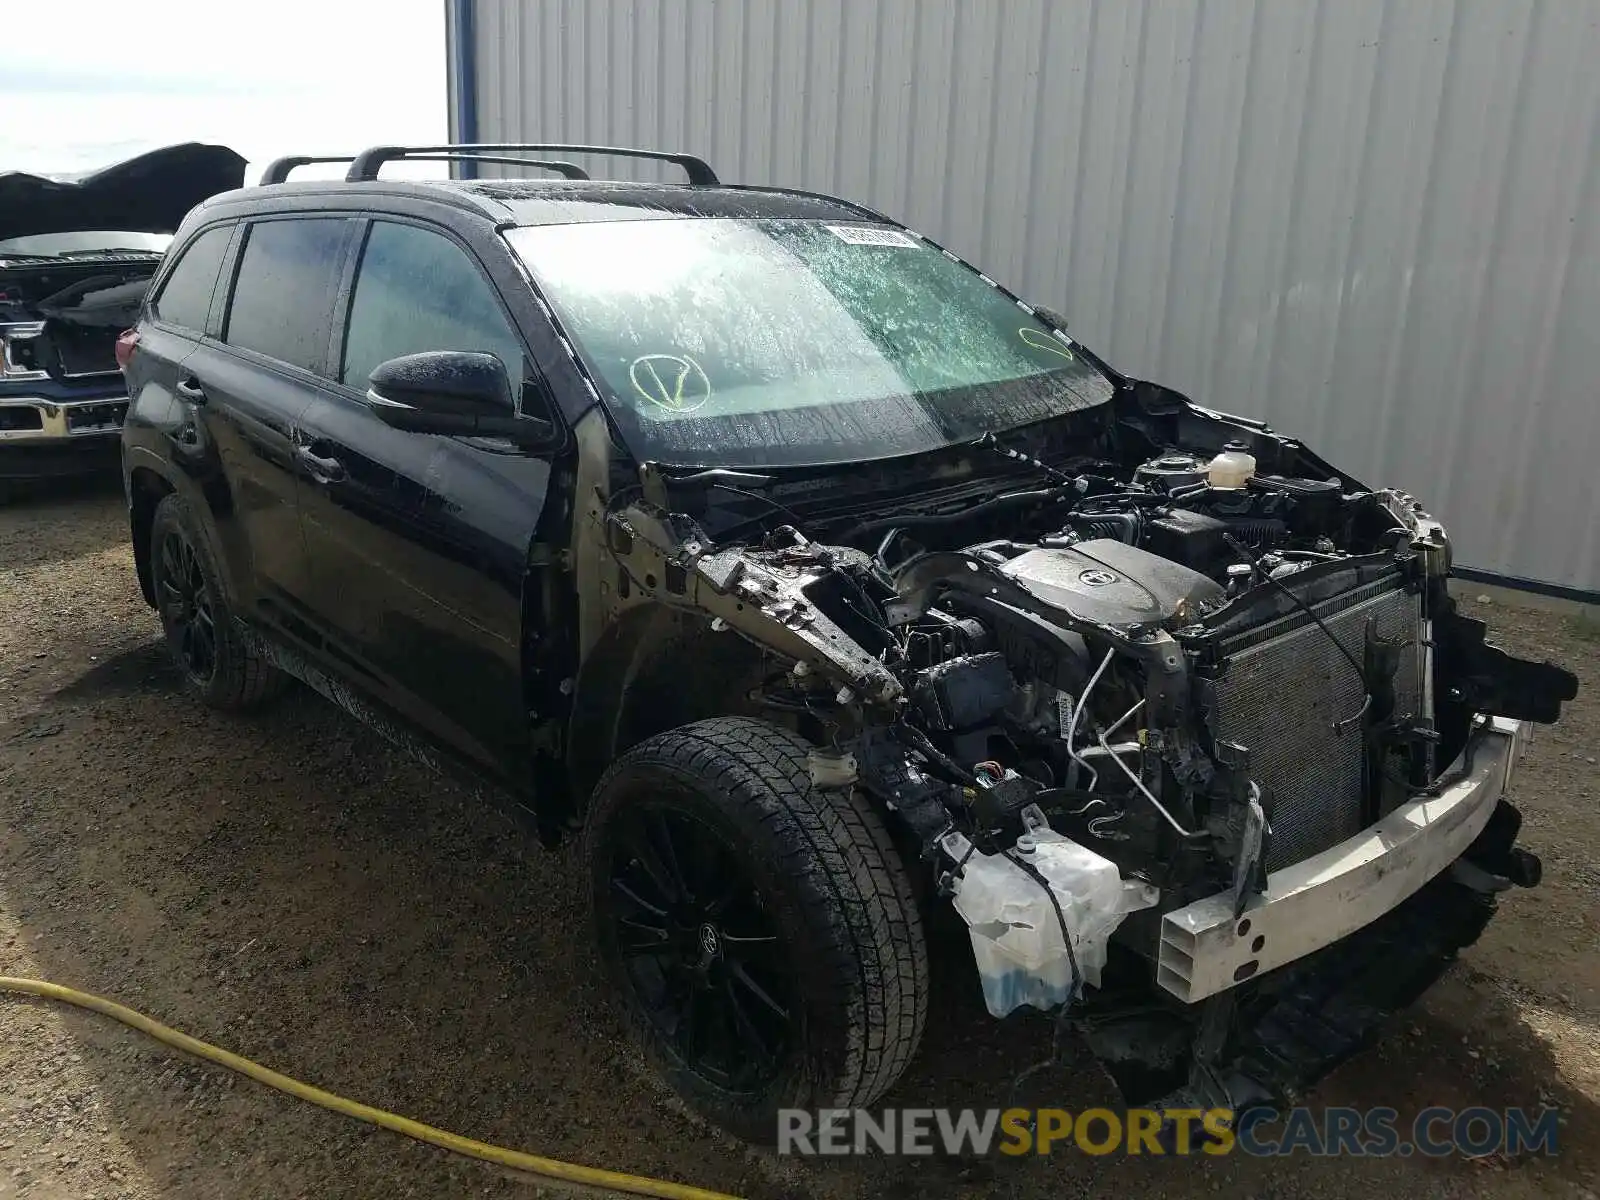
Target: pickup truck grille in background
[
  {"x": 96, "y": 418},
  {"x": 20, "y": 418},
  {"x": 1283, "y": 688},
  {"x": 36, "y": 419}
]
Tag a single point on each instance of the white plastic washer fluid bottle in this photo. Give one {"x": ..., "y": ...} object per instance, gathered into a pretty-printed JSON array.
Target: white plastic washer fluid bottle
[{"x": 1232, "y": 468}]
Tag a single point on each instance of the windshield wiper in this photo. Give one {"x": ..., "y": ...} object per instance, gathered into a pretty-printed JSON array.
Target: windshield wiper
[
  {"x": 106, "y": 250},
  {"x": 716, "y": 476},
  {"x": 735, "y": 482},
  {"x": 992, "y": 444},
  {"x": 919, "y": 520}
]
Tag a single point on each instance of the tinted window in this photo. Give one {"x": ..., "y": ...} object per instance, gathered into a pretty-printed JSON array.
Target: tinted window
[
  {"x": 186, "y": 297},
  {"x": 283, "y": 297},
  {"x": 417, "y": 290}
]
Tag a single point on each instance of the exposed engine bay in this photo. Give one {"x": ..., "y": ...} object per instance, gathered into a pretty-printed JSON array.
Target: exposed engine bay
[
  {"x": 64, "y": 300},
  {"x": 1200, "y": 654},
  {"x": 61, "y": 319}
]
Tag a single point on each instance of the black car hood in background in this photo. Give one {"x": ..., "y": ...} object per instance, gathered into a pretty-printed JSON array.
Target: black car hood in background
[{"x": 147, "y": 194}]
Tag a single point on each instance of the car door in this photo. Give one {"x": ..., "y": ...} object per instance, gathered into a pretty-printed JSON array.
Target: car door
[
  {"x": 162, "y": 401},
  {"x": 419, "y": 542},
  {"x": 176, "y": 318},
  {"x": 249, "y": 386}
]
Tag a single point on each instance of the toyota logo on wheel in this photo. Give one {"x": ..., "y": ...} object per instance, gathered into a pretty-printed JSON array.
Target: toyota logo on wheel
[{"x": 710, "y": 943}]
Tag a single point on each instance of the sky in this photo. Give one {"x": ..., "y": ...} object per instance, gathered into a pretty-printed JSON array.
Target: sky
[{"x": 85, "y": 83}]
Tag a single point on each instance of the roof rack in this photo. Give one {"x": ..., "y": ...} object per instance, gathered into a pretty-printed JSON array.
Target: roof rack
[
  {"x": 366, "y": 165},
  {"x": 278, "y": 170}
]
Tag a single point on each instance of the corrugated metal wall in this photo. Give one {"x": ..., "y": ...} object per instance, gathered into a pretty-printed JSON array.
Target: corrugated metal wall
[{"x": 1371, "y": 222}]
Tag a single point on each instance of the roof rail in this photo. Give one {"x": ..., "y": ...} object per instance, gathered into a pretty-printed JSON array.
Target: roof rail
[
  {"x": 278, "y": 170},
  {"x": 367, "y": 164},
  {"x": 570, "y": 170}
]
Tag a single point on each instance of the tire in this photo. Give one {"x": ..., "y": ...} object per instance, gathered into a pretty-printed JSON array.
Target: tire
[
  {"x": 827, "y": 928},
  {"x": 206, "y": 642}
]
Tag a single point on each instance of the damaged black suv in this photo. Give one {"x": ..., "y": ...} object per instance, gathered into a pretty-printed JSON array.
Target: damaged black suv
[{"x": 826, "y": 585}]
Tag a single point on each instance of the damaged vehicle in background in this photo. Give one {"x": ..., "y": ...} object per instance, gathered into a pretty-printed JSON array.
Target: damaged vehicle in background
[
  {"x": 76, "y": 256},
  {"x": 827, "y": 586}
]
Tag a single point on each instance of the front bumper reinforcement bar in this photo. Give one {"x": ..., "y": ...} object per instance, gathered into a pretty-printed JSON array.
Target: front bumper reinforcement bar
[{"x": 1311, "y": 904}]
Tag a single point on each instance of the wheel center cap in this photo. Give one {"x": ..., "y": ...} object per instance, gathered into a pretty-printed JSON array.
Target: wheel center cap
[{"x": 710, "y": 942}]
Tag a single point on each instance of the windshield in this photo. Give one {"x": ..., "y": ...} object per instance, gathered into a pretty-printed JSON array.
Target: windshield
[
  {"x": 94, "y": 241},
  {"x": 747, "y": 342}
]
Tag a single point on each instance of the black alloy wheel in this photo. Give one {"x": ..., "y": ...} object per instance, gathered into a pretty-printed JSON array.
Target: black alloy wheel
[
  {"x": 186, "y": 606},
  {"x": 703, "y": 955}
]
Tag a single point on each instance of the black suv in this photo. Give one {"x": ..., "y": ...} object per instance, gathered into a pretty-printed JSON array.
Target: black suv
[{"x": 827, "y": 587}]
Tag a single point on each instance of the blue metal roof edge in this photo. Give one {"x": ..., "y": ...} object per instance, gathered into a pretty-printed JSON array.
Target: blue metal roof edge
[{"x": 462, "y": 64}]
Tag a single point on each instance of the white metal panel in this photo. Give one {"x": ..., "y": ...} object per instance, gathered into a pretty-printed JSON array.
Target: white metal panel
[{"x": 1370, "y": 222}]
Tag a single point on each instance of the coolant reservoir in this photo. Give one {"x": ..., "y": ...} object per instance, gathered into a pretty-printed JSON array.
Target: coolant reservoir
[
  {"x": 1232, "y": 468},
  {"x": 1016, "y": 935}
]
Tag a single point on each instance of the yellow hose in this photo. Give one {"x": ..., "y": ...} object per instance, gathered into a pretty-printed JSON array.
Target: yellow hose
[{"x": 616, "y": 1181}]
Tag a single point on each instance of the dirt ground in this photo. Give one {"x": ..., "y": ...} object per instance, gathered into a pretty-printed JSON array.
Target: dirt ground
[{"x": 293, "y": 889}]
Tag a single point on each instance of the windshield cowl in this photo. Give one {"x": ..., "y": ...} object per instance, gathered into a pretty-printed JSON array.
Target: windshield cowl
[{"x": 824, "y": 500}]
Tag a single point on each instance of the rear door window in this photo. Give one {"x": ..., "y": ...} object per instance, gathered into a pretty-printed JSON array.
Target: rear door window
[
  {"x": 417, "y": 290},
  {"x": 283, "y": 296},
  {"x": 186, "y": 296}
]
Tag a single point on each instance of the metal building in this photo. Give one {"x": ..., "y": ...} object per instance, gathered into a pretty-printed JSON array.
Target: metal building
[{"x": 1373, "y": 223}]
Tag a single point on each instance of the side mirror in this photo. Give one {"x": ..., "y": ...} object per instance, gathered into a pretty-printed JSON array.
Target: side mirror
[{"x": 460, "y": 393}]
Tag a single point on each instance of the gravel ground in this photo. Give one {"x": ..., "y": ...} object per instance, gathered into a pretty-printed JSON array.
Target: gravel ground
[{"x": 291, "y": 888}]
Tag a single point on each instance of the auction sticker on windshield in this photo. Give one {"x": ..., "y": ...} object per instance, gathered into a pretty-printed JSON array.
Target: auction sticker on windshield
[{"x": 862, "y": 235}]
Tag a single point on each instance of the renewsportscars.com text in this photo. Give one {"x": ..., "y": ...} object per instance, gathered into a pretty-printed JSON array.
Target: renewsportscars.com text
[{"x": 1261, "y": 1132}]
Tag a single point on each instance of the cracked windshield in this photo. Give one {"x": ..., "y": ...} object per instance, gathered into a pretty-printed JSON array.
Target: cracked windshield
[{"x": 725, "y": 342}]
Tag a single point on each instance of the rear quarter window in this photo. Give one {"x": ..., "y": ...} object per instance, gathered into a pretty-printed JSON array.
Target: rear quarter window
[
  {"x": 185, "y": 298},
  {"x": 283, "y": 294}
]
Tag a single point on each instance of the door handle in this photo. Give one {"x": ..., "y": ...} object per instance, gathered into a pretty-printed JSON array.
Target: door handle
[
  {"x": 189, "y": 389},
  {"x": 321, "y": 468}
]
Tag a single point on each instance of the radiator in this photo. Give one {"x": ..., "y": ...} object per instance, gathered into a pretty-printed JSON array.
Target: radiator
[{"x": 1284, "y": 687}]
